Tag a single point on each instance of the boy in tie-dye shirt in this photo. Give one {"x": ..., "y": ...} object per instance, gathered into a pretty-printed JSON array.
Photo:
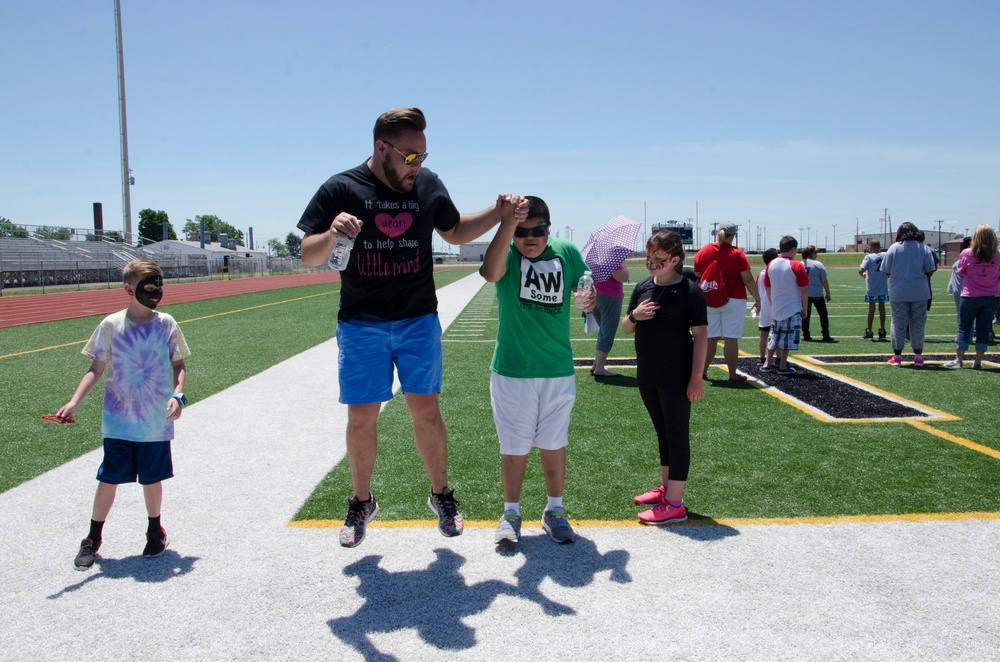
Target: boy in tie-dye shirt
[{"x": 143, "y": 353}]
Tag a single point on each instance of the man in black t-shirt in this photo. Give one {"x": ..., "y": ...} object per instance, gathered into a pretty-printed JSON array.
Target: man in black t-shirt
[{"x": 391, "y": 206}]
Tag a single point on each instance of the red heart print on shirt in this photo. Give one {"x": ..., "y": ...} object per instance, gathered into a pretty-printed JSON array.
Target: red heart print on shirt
[{"x": 394, "y": 226}]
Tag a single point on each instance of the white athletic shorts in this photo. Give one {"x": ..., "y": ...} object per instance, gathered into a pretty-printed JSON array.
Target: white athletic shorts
[
  {"x": 532, "y": 412},
  {"x": 727, "y": 322}
]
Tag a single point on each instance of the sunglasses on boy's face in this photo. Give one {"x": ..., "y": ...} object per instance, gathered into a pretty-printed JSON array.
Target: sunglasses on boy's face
[{"x": 539, "y": 231}]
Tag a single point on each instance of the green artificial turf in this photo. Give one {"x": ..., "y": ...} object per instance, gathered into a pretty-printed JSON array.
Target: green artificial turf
[
  {"x": 231, "y": 339},
  {"x": 752, "y": 455}
]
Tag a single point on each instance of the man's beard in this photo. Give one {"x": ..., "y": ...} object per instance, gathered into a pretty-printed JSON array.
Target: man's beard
[{"x": 396, "y": 182}]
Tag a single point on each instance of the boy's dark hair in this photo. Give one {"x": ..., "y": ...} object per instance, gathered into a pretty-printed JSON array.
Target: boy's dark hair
[
  {"x": 809, "y": 252},
  {"x": 769, "y": 255},
  {"x": 908, "y": 231},
  {"x": 787, "y": 243},
  {"x": 538, "y": 209},
  {"x": 671, "y": 242},
  {"x": 393, "y": 122},
  {"x": 876, "y": 244}
]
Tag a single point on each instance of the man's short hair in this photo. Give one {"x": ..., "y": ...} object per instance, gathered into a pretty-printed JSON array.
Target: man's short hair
[
  {"x": 787, "y": 243},
  {"x": 393, "y": 122},
  {"x": 769, "y": 255}
]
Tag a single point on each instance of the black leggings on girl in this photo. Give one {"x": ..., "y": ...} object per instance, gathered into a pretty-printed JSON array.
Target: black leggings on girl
[{"x": 670, "y": 411}]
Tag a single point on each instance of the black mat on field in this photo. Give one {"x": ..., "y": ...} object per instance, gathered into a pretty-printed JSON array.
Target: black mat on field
[
  {"x": 836, "y": 399},
  {"x": 907, "y": 358}
]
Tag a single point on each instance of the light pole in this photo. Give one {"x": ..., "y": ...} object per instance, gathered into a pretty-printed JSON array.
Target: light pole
[
  {"x": 126, "y": 173},
  {"x": 834, "y": 237}
]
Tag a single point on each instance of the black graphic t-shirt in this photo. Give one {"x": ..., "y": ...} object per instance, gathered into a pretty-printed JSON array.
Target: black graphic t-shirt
[
  {"x": 664, "y": 346},
  {"x": 390, "y": 274}
]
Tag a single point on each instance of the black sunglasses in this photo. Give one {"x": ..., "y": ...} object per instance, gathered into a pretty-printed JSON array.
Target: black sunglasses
[{"x": 538, "y": 231}]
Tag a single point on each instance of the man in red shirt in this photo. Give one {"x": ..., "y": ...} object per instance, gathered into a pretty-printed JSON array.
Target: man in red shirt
[{"x": 727, "y": 321}]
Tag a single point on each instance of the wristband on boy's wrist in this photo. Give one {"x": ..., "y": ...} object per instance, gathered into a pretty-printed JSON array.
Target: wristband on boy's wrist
[
  {"x": 631, "y": 318},
  {"x": 181, "y": 400}
]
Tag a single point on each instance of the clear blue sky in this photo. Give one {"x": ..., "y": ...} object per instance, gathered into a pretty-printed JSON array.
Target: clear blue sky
[{"x": 776, "y": 115}]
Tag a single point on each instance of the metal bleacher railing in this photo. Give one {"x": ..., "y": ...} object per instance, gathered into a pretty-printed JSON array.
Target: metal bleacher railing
[{"x": 74, "y": 257}]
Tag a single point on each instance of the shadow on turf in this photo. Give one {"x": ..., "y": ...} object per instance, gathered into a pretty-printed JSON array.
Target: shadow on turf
[
  {"x": 433, "y": 601},
  {"x": 166, "y": 566}
]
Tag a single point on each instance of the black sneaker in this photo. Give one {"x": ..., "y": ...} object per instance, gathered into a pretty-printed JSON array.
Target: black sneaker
[
  {"x": 828, "y": 338},
  {"x": 359, "y": 513},
  {"x": 881, "y": 335},
  {"x": 85, "y": 557},
  {"x": 807, "y": 338},
  {"x": 868, "y": 335},
  {"x": 155, "y": 543}
]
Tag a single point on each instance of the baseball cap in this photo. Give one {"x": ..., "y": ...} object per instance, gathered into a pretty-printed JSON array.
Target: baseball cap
[{"x": 729, "y": 228}]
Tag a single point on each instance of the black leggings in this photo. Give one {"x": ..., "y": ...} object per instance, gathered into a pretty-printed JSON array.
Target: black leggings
[
  {"x": 670, "y": 411},
  {"x": 824, "y": 319}
]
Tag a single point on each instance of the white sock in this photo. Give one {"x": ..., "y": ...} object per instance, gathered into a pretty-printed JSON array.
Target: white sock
[
  {"x": 554, "y": 502},
  {"x": 515, "y": 506}
]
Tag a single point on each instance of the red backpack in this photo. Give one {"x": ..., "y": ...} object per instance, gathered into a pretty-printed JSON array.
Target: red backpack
[{"x": 714, "y": 286}]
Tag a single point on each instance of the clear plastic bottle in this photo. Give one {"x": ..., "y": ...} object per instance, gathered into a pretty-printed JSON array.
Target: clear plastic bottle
[
  {"x": 584, "y": 287},
  {"x": 341, "y": 253}
]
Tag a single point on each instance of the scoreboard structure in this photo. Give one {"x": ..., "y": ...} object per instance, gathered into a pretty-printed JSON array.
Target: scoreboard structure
[{"x": 685, "y": 230}]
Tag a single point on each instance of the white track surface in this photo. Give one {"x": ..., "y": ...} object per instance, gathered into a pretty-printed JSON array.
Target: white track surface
[{"x": 238, "y": 584}]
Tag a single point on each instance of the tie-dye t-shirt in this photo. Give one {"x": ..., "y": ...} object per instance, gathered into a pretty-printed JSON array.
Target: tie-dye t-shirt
[{"x": 138, "y": 376}]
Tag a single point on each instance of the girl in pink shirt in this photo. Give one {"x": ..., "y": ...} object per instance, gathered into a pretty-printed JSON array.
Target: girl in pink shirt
[{"x": 979, "y": 266}]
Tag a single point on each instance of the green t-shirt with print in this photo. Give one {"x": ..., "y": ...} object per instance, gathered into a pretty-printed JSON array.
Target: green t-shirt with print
[{"x": 536, "y": 305}]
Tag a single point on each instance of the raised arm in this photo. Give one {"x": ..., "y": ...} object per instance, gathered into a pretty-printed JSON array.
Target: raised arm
[
  {"x": 475, "y": 225},
  {"x": 495, "y": 259}
]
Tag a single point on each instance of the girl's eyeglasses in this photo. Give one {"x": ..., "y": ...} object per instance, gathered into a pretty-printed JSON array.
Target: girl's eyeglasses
[
  {"x": 408, "y": 159},
  {"x": 539, "y": 231}
]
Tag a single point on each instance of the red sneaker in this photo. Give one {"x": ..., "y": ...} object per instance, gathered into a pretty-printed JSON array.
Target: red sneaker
[
  {"x": 652, "y": 497},
  {"x": 663, "y": 513}
]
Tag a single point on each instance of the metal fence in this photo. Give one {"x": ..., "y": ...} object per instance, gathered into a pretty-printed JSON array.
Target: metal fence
[{"x": 75, "y": 273}]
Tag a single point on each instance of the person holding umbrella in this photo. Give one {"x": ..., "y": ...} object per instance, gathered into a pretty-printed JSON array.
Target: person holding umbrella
[{"x": 605, "y": 253}]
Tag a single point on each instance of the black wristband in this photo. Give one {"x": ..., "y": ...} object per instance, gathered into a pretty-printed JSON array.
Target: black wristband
[{"x": 631, "y": 318}]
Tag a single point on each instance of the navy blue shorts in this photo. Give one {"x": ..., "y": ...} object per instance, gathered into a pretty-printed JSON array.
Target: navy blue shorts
[{"x": 127, "y": 461}]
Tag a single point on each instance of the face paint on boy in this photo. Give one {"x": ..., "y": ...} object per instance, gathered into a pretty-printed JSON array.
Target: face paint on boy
[{"x": 149, "y": 298}]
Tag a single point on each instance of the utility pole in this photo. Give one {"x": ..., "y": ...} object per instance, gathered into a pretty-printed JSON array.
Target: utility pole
[
  {"x": 126, "y": 172},
  {"x": 939, "y": 222},
  {"x": 834, "y": 237}
]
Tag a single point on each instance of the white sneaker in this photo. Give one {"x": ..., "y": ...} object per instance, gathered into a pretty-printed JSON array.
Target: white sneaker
[{"x": 508, "y": 529}]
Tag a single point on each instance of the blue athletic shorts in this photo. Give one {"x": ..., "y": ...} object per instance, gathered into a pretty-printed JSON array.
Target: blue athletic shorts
[
  {"x": 370, "y": 347},
  {"x": 876, "y": 298},
  {"x": 126, "y": 461}
]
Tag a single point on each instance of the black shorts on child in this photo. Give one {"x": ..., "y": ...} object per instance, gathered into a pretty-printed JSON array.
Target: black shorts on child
[{"x": 127, "y": 461}]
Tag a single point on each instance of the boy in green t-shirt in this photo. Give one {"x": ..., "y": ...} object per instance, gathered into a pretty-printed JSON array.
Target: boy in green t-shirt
[{"x": 532, "y": 380}]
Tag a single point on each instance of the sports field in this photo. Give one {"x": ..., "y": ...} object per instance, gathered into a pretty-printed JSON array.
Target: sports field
[
  {"x": 864, "y": 570},
  {"x": 805, "y": 446}
]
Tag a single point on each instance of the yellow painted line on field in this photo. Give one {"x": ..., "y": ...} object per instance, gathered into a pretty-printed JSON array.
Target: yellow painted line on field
[
  {"x": 731, "y": 522},
  {"x": 979, "y": 448},
  {"x": 193, "y": 319},
  {"x": 263, "y": 305},
  {"x": 43, "y": 349}
]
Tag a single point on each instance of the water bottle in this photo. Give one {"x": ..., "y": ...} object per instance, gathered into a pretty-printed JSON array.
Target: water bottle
[
  {"x": 341, "y": 253},
  {"x": 584, "y": 287}
]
